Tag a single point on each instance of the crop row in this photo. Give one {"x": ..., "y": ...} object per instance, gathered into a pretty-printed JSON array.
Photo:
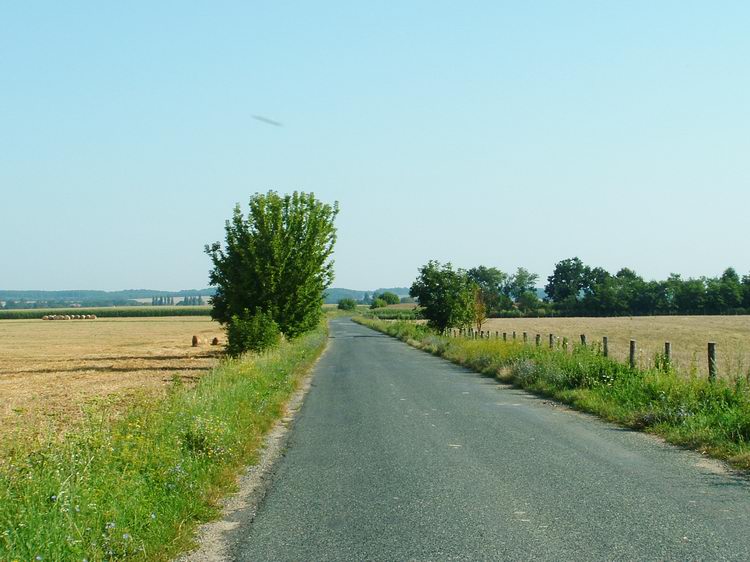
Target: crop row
[{"x": 108, "y": 312}]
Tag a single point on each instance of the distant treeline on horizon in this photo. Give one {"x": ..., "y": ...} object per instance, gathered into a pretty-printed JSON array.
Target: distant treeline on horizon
[
  {"x": 335, "y": 294},
  {"x": 91, "y": 298},
  {"x": 576, "y": 289}
]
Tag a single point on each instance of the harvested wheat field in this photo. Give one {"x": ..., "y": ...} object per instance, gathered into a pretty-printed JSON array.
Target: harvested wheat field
[
  {"x": 52, "y": 372},
  {"x": 689, "y": 336}
]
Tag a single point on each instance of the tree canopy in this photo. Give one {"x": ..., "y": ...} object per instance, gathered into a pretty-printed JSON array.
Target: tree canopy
[
  {"x": 276, "y": 260},
  {"x": 447, "y": 296}
]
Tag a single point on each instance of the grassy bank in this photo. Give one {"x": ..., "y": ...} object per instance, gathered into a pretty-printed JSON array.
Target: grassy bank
[
  {"x": 108, "y": 312},
  {"x": 713, "y": 418},
  {"x": 136, "y": 487}
]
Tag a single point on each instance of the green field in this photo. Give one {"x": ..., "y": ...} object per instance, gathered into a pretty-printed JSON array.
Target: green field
[{"x": 108, "y": 312}]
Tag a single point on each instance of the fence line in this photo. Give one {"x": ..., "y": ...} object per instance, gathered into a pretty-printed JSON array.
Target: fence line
[{"x": 471, "y": 333}]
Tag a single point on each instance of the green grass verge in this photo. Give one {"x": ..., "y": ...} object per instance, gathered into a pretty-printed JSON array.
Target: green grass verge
[
  {"x": 108, "y": 312},
  {"x": 713, "y": 418},
  {"x": 137, "y": 487}
]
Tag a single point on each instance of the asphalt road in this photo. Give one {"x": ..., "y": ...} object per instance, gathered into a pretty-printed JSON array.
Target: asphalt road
[{"x": 398, "y": 455}]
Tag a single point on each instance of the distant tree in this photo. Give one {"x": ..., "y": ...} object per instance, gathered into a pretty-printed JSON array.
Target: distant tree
[
  {"x": 390, "y": 298},
  {"x": 276, "y": 260},
  {"x": 366, "y": 298},
  {"x": 690, "y": 296},
  {"x": 730, "y": 289},
  {"x": 408, "y": 300},
  {"x": 521, "y": 282},
  {"x": 528, "y": 301},
  {"x": 492, "y": 283},
  {"x": 347, "y": 304},
  {"x": 445, "y": 295},
  {"x": 377, "y": 302},
  {"x": 567, "y": 282},
  {"x": 746, "y": 291}
]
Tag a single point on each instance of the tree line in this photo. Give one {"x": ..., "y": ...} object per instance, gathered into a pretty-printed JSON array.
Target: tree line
[
  {"x": 576, "y": 288},
  {"x": 459, "y": 298}
]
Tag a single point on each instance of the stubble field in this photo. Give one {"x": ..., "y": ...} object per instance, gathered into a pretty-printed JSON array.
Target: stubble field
[
  {"x": 689, "y": 336},
  {"x": 54, "y": 373}
]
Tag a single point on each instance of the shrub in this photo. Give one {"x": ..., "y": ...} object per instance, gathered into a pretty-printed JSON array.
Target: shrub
[
  {"x": 347, "y": 304},
  {"x": 252, "y": 332},
  {"x": 378, "y": 303},
  {"x": 389, "y": 298}
]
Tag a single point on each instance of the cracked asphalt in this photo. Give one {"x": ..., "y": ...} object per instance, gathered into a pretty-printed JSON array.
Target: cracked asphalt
[{"x": 399, "y": 455}]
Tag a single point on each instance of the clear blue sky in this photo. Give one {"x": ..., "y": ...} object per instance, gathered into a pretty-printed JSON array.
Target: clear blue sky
[{"x": 497, "y": 133}]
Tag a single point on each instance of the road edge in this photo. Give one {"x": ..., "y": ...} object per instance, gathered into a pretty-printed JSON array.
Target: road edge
[{"x": 213, "y": 537}]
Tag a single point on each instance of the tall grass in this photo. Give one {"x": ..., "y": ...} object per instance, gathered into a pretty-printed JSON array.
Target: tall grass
[
  {"x": 711, "y": 417},
  {"x": 137, "y": 487},
  {"x": 108, "y": 312}
]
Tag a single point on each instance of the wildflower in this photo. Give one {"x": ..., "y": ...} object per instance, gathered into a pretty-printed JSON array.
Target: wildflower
[
  {"x": 110, "y": 525},
  {"x": 126, "y": 536}
]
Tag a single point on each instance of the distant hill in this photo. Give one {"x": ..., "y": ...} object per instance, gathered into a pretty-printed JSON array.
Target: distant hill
[
  {"x": 29, "y": 299},
  {"x": 335, "y": 294},
  {"x": 75, "y": 295}
]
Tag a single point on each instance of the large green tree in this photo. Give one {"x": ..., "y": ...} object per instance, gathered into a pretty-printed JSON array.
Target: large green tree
[
  {"x": 447, "y": 296},
  {"x": 492, "y": 285},
  {"x": 567, "y": 282},
  {"x": 276, "y": 260}
]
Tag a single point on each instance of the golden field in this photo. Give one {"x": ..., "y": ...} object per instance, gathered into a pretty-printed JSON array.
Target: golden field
[
  {"x": 689, "y": 336},
  {"x": 51, "y": 372}
]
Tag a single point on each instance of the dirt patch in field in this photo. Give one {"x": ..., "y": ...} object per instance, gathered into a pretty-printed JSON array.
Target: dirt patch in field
[{"x": 51, "y": 372}]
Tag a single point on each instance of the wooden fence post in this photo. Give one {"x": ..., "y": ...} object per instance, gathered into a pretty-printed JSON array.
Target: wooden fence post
[
  {"x": 505, "y": 336},
  {"x": 497, "y": 334},
  {"x": 525, "y": 337},
  {"x": 538, "y": 340},
  {"x": 565, "y": 344},
  {"x": 551, "y": 341},
  {"x": 668, "y": 352},
  {"x": 605, "y": 346},
  {"x": 632, "y": 354},
  {"x": 583, "y": 340},
  {"x": 514, "y": 335},
  {"x": 712, "y": 361}
]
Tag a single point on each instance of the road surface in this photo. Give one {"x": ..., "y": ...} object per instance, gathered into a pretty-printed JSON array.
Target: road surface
[{"x": 399, "y": 455}]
